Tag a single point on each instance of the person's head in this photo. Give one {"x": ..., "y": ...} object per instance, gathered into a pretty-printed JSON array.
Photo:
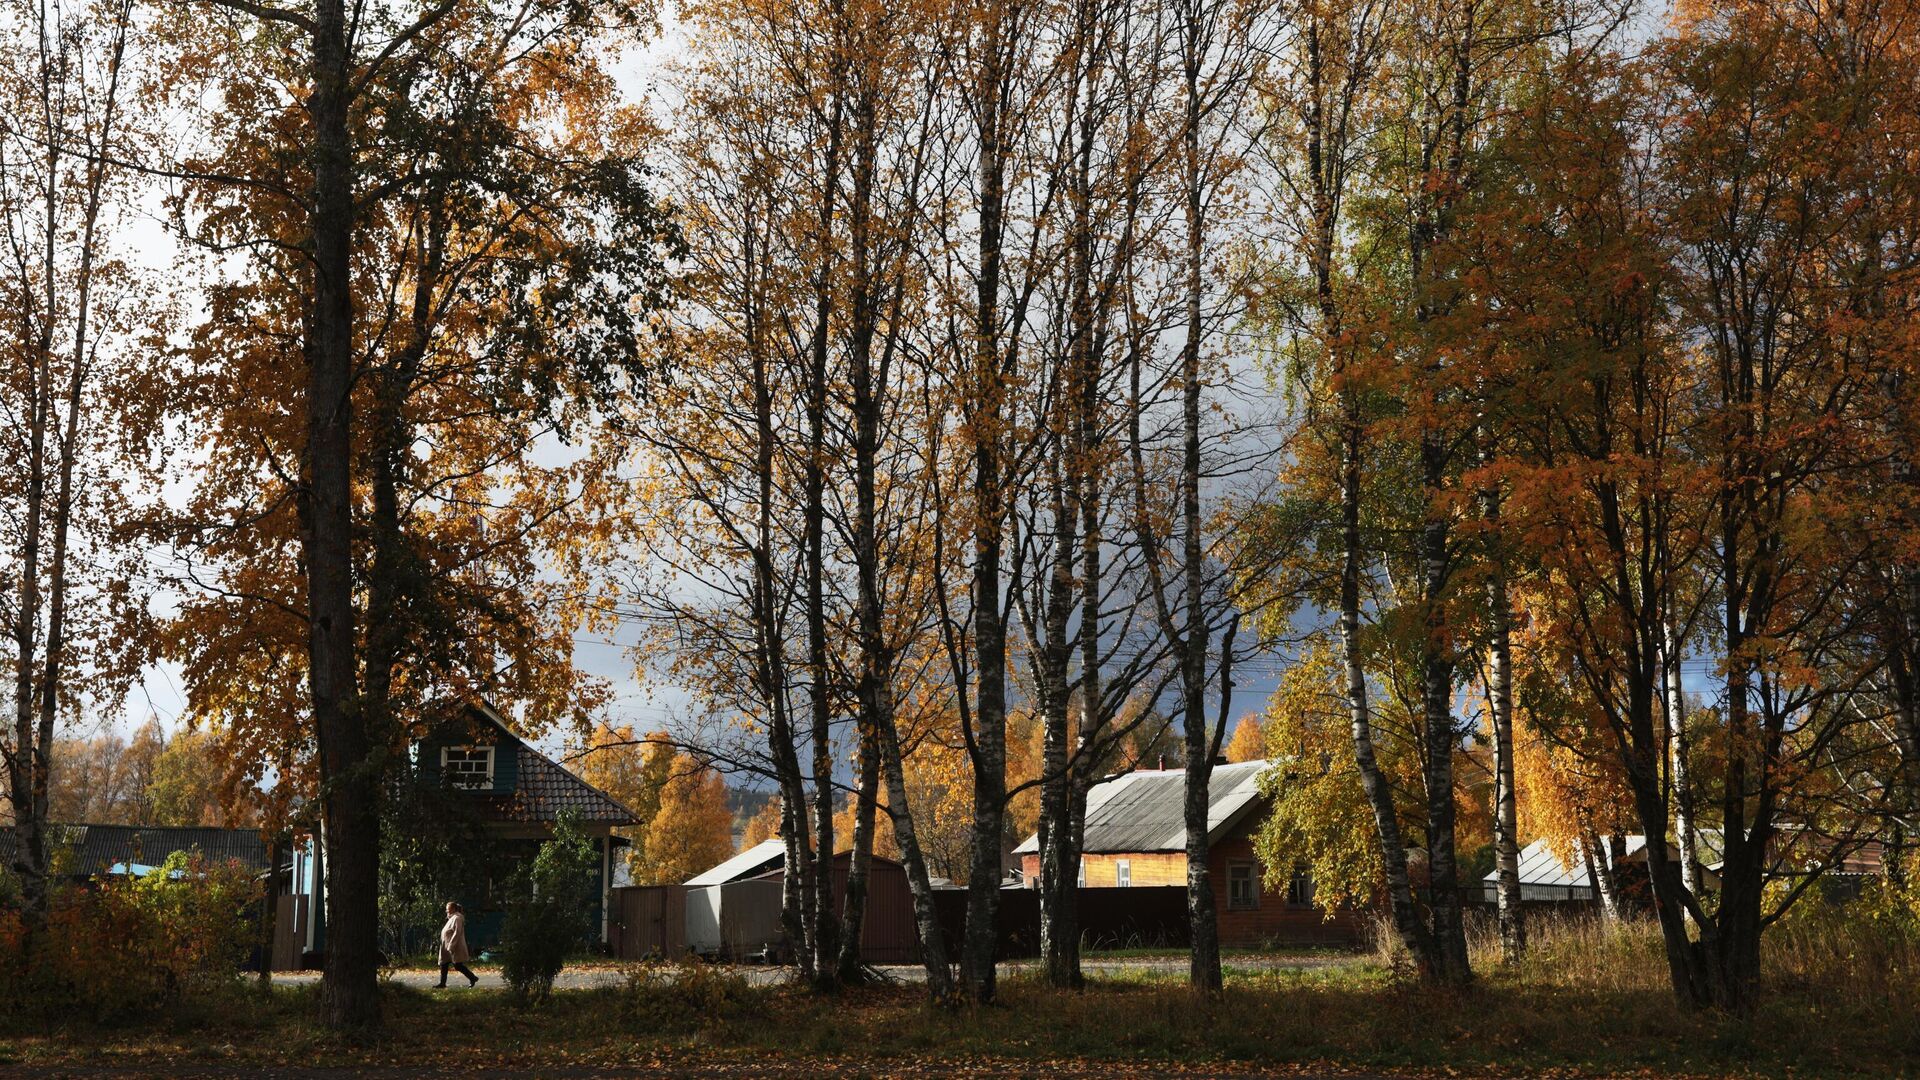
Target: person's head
[{"x": 453, "y": 908}]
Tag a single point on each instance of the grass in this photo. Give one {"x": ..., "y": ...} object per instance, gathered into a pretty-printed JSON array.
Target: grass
[{"x": 1591, "y": 1000}]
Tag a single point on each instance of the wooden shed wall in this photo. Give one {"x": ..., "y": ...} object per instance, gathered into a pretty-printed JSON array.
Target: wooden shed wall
[{"x": 649, "y": 921}]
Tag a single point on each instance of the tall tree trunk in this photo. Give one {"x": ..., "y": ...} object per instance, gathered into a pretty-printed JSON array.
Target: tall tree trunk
[
  {"x": 770, "y": 639},
  {"x": 977, "y": 968},
  {"x": 1204, "y": 961},
  {"x": 1386, "y": 820},
  {"x": 1675, "y": 702},
  {"x": 27, "y": 765},
  {"x": 926, "y": 918},
  {"x": 1436, "y": 669},
  {"x": 875, "y": 690},
  {"x": 1600, "y": 870},
  {"x": 853, "y": 905},
  {"x": 1904, "y": 624},
  {"x": 1325, "y": 150},
  {"x": 349, "y": 763},
  {"x": 823, "y": 922},
  {"x": 1506, "y": 829}
]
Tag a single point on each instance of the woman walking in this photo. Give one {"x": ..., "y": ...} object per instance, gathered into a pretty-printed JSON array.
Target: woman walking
[{"x": 453, "y": 945}]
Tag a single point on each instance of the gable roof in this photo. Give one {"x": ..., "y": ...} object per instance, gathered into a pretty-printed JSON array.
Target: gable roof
[
  {"x": 765, "y": 855},
  {"x": 1539, "y": 865},
  {"x": 94, "y": 848},
  {"x": 544, "y": 790},
  {"x": 1146, "y": 810}
]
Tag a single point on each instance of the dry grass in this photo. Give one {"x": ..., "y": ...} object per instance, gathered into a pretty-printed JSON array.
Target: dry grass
[{"x": 1591, "y": 1000}]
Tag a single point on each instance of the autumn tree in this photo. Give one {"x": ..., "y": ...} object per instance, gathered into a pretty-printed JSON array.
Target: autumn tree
[
  {"x": 451, "y": 257},
  {"x": 105, "y": 778},
  {"x": 1249, "y": 741},
  {"x": 193, "y": 784},
  {"x": 81, "y": 399},
  {"x": 692, "y": 830},
  {"x": 635, "y": 772},
  {"x": 764, "y": 825}
]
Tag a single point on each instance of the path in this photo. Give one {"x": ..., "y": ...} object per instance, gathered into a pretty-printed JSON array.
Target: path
[
  {"x": 838, "y": 1068},
  {"x": 608, "y": 975}
]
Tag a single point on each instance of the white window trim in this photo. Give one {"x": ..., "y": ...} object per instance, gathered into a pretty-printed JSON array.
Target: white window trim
[
  {"x": 454, "y": 778},
  {"x": 1123, "y": 873},
  {"x": 1252, "y": 880}
]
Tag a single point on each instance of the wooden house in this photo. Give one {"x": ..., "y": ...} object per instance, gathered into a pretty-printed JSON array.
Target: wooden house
[{"x": 1136, "y": 838}]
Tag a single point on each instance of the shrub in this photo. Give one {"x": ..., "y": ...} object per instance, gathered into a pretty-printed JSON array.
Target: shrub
[
  {"x": 682, "y": 997},
  {"x": 1863, "y": 949},
  {"x": 122, "y": 946},
  {"x": 548, "y": 922}
]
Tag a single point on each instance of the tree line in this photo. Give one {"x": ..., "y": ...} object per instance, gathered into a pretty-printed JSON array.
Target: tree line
[{"x": 954, "y": 394}]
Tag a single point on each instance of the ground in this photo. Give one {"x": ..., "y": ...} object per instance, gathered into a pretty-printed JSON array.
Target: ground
[
  {"x": 1285, "y": 1015},
  {"x": 592, "y": 975}
]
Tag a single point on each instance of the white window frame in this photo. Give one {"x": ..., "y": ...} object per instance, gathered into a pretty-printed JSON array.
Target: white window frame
[
  {"x": 467, "y": 779},
  {"x": 1123, "y": 873},
  {"x": 1081, "y": 880},
  {"x": 1300, "y": 889},
  {"x": 1251, "y": 879}
]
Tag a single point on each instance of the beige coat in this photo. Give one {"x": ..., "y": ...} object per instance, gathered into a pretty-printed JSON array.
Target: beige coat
[{"x": 453, "y": 940}]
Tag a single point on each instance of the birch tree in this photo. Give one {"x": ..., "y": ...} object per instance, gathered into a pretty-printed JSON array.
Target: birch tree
[{"x": 81, "y": 402}]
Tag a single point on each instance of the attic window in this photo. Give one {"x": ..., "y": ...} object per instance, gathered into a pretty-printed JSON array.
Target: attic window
[{"x": 468, "y": 767}]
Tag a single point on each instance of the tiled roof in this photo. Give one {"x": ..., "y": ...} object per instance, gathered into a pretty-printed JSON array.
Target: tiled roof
[
  {"x": 545, "y": 790},
  {"x": 93, "y": 848},
  {"x": 1146, "y": 810}
]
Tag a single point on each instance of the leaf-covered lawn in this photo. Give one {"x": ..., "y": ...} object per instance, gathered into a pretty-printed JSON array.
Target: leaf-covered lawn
[{"x": 1355, "y": 1021}]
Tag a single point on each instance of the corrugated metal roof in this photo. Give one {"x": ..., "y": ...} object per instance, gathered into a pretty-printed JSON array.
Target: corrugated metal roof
[
  {"x": 91, "y": 849},
  {"x": 762, "y": 856},
  {"x": 1540, "y": 866},
  {"x": 1146, "y": 810}
]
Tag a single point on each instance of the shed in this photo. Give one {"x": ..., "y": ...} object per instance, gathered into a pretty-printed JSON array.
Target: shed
[
  {"x": 888, "y": 933},
  {"x": 734, "y": 920},
  {"x": 649, "y": 921}
]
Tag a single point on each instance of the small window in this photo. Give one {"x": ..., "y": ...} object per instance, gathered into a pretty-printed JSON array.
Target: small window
[
  {"x": 468, "y": 767},
  {"x": 1300, "y": 889},
  {"x": 1243, "y": 886},
  {"x": 1081, "y": 881},
  {"x": 1123, "y": 873}
]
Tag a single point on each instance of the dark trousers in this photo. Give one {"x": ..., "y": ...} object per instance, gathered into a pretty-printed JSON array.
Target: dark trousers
[{"x": 461, "y": 968}]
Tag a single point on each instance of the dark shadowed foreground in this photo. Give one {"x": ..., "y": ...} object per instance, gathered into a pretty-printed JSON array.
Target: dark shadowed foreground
[{"x": 1597, "y": 1010}]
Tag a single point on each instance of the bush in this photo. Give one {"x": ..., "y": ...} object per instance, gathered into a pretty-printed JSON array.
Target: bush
[
  {"x": 548, "y": 922},
  {"x": 683, "y": 997},
  {"x": 122, "y": 946},
  {"x": 1863, "y": 949}
]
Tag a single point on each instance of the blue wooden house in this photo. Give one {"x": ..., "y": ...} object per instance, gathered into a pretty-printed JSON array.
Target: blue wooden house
[
  {"x": 514, "y": 794},
  {"x": 518, "y": 793}
]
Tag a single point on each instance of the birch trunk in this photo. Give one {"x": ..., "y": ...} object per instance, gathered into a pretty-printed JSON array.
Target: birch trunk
[
  {"x": 926, "y": 918},
  {"x": 822, "y": 921},
  {"x": 1506, "y": 831},
  {"x": 1675, "y": 701}
]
